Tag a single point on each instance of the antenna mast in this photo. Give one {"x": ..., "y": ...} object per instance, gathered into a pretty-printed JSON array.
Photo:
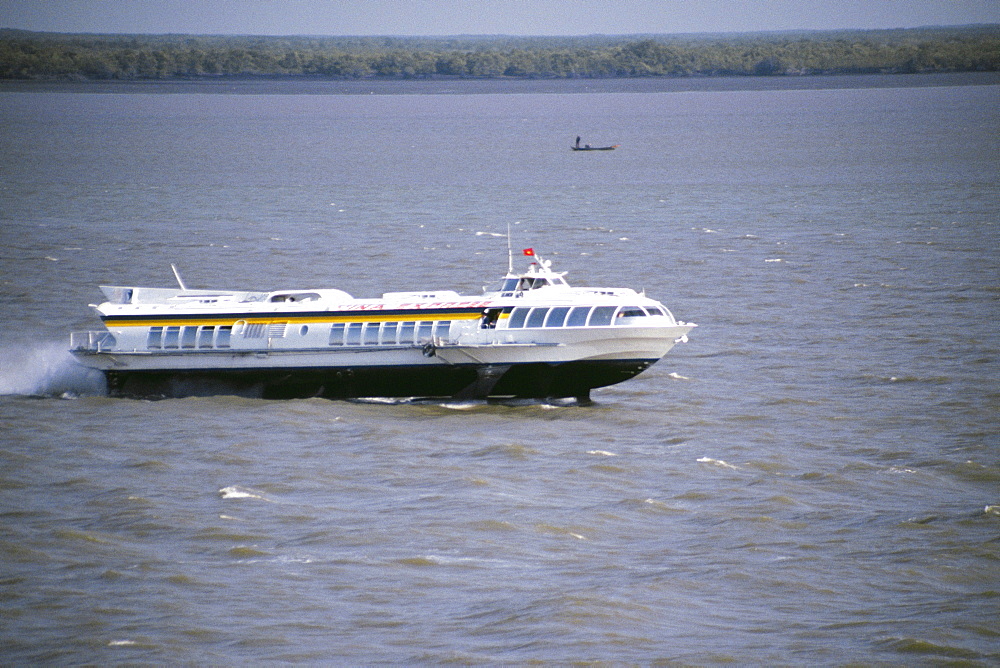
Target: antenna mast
[
  {"x": 177, "y": 275},
  {"x": 510, "y": 252}
]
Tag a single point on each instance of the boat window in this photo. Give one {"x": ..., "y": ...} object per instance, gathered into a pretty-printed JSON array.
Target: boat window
[
  {"x": 155, "y": 338},
  {"x": 188, "y": 337},
  {"x": 442, "y": 329},
  {"x": 337, "y": 334},
  {"x": 537, "y": 317},
  {"x": 406, "y": 330},
  {"x": 205, "y": 337},
  {"x": 353, "y": 334},
  {"x": 223, "y": 336},
  {"x": 655, "y": 310},
  {"x": 578, "y": 316},
  {"x": 509, "y": 285},
  {"x": 390, "y": 331},
  {"x": 303, "y": 330},
  {"x": 371, "y": 334},
  {"x": 601, "y": 316},
  {"x": 528, "y": 283},
  {"x": 629, "y": 312},
  {"x": 517, "y": 317},
  {"x": 489, "y": 319},
  {"x": 171, "y": 337},
  {"x": 297, "y": 297},
  {"x": 424, "y": 331},
  {"x": 556, "y": 316}
]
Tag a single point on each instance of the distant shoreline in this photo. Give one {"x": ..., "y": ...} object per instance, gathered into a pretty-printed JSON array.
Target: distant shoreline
[
  {"x": 304, "y": 86},
  {"x": 66, "y": 57}
]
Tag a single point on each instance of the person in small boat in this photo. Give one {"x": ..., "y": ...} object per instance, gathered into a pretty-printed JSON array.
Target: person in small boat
[{"x": 578, "y": 142}]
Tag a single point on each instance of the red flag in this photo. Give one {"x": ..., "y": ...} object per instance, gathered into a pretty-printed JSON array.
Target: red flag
[{"x": 529, "y": 251}]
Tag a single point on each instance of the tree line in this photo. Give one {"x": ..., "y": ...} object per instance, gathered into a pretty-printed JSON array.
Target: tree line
[{"x": 56, "y": 56}]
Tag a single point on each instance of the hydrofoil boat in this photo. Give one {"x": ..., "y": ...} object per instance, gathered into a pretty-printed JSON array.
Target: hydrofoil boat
[{"x": 532, "y": 336}]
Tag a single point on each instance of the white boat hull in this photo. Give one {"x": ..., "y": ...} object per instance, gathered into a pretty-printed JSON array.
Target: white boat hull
[{"x": 540, "y": 369}]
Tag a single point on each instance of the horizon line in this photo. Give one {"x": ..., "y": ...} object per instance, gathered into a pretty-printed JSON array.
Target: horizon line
[{"x": 502, "y": 35}]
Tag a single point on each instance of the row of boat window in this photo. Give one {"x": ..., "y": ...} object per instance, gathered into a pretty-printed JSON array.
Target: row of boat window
[
  {"x": 341, "y": 334},
  {"x": 387, "y": 333},
  {"x": 189, "y": 337},
  {"x": 395, "y": 333},
  {"x": 578, "y": 316}
]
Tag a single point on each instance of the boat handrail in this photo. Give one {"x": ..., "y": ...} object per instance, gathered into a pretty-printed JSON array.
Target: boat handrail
[{"x": 92, "y": 341}]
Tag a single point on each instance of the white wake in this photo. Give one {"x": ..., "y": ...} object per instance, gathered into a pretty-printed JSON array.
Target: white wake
[{"x": 46, "y": 369}]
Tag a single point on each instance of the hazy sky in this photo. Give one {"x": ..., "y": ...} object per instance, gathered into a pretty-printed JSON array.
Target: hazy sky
[{"x": 483, "y": 17}]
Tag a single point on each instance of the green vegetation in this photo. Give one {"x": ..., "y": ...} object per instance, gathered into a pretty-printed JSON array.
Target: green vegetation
[{"x": 27, "y": 55}]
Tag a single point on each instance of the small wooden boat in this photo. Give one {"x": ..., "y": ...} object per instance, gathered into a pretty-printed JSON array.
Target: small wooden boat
[{"x": 588, "y": 147}]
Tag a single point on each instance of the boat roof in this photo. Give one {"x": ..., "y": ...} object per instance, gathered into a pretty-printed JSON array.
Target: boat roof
[{"x": 537, "y": 281}]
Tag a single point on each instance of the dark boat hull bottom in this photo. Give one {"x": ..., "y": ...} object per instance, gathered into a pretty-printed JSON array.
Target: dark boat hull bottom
[{"x": 522, "y": 381}]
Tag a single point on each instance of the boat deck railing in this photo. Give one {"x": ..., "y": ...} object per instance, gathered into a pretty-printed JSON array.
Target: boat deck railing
[{"x": 91, "y": 341}]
